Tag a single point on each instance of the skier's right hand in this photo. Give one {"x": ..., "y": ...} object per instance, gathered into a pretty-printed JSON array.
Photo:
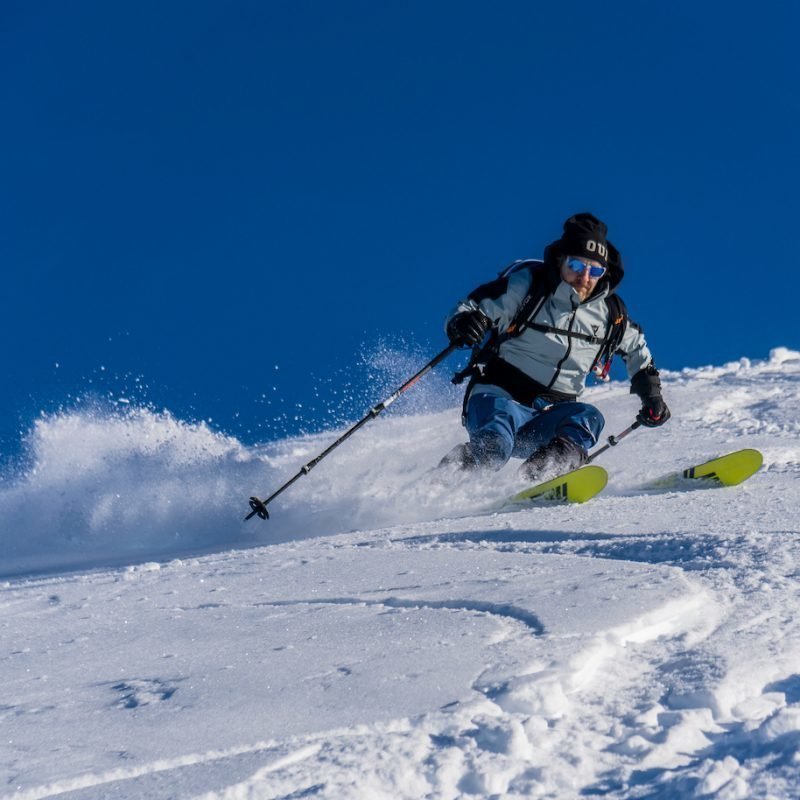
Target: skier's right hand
[{"x": 468, "y": 328}]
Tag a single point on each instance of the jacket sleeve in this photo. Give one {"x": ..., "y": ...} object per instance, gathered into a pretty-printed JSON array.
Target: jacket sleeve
[
  {"x": 499, "y": 300},
  {"x": 634, "y": 350}
]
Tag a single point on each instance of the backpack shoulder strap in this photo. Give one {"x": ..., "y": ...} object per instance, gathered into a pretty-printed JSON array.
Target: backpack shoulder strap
[
  {"x": 537, "y": 293},
  {"x": 615, "y": 330},
  {"x": 530, "y": 304},
  {"x": 617, "y": 319}
]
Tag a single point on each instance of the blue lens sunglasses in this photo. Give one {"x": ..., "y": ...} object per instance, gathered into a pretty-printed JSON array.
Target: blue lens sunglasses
[{"x": 576, "y": 265}]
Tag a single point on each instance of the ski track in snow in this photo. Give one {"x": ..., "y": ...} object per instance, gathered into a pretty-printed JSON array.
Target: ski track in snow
[{"x": 384, "y": 637}]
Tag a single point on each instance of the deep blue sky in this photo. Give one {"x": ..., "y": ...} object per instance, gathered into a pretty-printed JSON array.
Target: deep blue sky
[{"x": 195, "y": 192}]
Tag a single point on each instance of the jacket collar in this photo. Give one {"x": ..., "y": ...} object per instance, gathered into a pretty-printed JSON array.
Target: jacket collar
[{"x": 567, "y": 298}]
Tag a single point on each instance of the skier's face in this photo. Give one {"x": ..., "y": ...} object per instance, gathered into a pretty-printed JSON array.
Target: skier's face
[{"x": 582, "y": 282}]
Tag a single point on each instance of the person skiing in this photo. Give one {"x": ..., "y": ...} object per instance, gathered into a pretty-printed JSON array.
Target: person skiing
[{"x": 551, "y": 323}]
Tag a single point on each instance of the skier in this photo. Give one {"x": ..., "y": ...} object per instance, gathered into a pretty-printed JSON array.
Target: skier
[{"x": 522, "y": 399}]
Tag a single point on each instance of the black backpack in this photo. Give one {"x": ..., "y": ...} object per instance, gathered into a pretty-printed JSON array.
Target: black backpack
[{"x": 538, "y": 292}]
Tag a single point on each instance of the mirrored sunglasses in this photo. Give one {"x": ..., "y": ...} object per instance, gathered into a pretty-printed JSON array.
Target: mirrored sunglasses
[{"x": 576, "y": 265}]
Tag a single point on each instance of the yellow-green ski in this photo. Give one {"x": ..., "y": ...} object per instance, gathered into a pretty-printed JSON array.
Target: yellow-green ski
[
  {"x": 577, "y": 486},
  {"x": 728, "y": 470}
]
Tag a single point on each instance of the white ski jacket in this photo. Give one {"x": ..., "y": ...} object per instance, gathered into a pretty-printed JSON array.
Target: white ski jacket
[{"x": 558, "y": 362}]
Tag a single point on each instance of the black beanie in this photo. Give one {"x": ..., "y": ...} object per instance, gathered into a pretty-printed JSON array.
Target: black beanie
[{"x": 585, "y": 235}]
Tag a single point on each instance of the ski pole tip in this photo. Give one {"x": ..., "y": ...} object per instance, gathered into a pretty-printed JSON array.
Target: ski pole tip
[{"x": 258, "y": 509}]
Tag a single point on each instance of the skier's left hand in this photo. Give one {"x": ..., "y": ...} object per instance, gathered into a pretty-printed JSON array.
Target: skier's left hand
[
  {"x": 647, "y": 384},
  {"x": 654, "y": 412}
]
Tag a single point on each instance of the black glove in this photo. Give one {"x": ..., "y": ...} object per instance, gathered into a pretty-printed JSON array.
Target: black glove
[
  {"x": 647, "y": 385},
  {"x": 654, "y": 412},
  {"x": 468, "y": 328}
]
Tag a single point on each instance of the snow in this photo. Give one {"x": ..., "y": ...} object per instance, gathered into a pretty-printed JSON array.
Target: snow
[{"x": 384, "y": 634}]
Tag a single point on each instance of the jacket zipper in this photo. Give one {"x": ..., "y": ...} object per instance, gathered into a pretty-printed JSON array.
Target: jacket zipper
[{"x": 569, "y": 350}]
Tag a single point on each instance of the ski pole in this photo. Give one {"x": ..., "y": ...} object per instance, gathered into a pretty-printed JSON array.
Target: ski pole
[
  {"x": 259, "y": 507},
  {"x": 613, "y": 441}
]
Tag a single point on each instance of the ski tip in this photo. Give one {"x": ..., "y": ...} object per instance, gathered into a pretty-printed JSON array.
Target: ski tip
[
  {"x": 729, "y": 469},
  {"x": 593, "y": 469},
  {"x": 755, "y": 456}
]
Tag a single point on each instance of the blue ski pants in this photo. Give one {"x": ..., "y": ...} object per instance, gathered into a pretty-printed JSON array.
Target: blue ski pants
[{"x": 500, "y": 427}]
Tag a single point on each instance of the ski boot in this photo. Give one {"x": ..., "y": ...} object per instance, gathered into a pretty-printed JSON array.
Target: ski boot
[
  {"x": 460, "y": 458},
  {"x": 557, "y": 457}
]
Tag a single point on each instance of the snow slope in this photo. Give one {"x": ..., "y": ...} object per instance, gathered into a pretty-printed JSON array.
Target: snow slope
[{"x": 383, "y": 635}]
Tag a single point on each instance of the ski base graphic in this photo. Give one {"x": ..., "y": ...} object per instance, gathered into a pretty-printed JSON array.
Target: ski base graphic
[
  {"x": 728, "y": 470},
  {"x": 577, "y": 486}
]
